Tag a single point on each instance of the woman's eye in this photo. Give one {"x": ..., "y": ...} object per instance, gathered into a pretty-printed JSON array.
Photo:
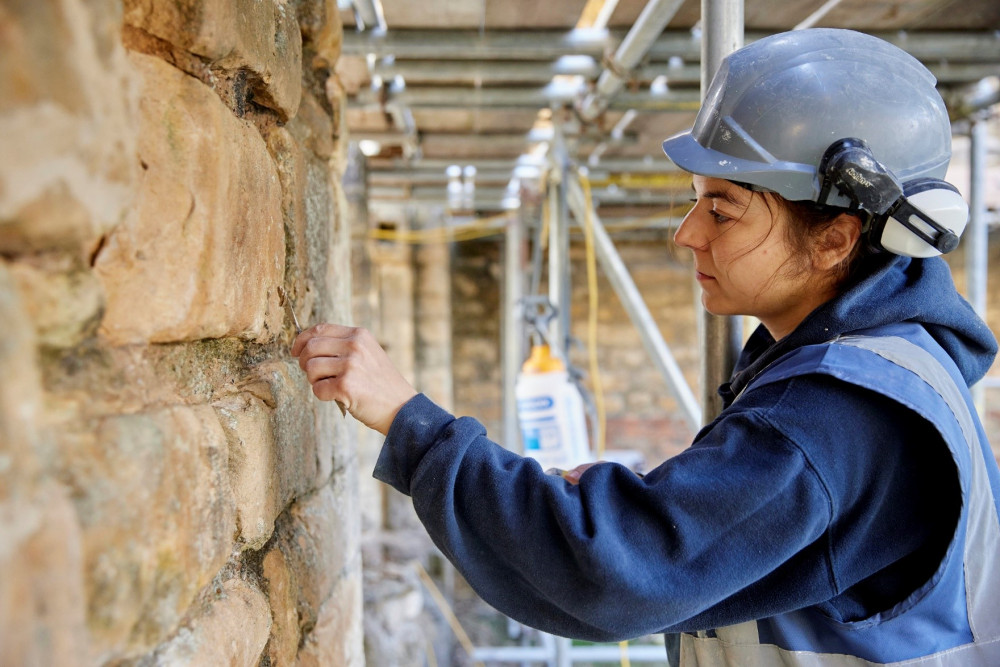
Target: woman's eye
[{"x": 719, "y": 217}]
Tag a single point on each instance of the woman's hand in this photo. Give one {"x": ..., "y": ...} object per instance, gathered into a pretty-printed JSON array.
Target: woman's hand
[
  {"x": 347, "y": 365},
  {"x": 573, "y": 476}
]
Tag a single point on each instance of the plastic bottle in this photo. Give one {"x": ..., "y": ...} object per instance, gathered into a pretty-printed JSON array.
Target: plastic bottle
[{"x": 550, "y": 411}]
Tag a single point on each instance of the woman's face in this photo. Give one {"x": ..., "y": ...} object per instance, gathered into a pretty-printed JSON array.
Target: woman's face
[{"x": 743, "y": 260}]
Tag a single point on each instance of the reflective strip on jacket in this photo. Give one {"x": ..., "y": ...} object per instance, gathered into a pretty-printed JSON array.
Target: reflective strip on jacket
[{"x": 954, "y": 619}]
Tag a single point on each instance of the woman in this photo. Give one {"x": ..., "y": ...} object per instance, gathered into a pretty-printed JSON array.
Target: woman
[{"x": 842, "y": 508}]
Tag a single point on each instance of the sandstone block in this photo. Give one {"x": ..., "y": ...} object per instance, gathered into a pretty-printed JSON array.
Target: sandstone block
[
  {"x": 67, "y": 130},
  {"x": 63, "y": 301},
  {"x": 282, "y": 444},
  {"x": 309, "y": 214},
  {"x": 283, "y": 645},
  {"x": 338, "y": 276},
  {"x": 289, "y": 396},
  {"x": 315, "y": 548},
  {"x": 336, "y": 96},
  {"x": 231, "y": 629},
  {"x": 336, "y": 442},
  {"x": 259, "y": 37},
  {"x": 252, "y": 470},
  {"x": 42, "y": 603},
  {"x": 157, "y": 516},
  {"x": 202, "y": 253},
  {"x": 322, "y": 31},
  {"x": 289, "y": 158},
  {"x": 321, "y": 235},
  {"x": 337, "y": 637},
  {"x": 312, "y": 127},
  {"x": 20, "y": 391}
]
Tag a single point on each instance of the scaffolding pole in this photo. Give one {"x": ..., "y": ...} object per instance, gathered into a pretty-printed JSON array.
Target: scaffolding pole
[
  {"x": 977, "y": 239},
  {"x": 559, "y": 274},
  {"x": 720, "y": 338},
  {"x": 513, "y": 326}
]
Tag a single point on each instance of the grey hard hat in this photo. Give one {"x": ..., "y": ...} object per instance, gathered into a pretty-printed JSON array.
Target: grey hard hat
[{"x": 776, "y": 105}]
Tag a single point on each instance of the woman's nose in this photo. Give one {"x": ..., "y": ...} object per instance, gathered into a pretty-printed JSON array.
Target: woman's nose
[{"x": 686, "y": 234}]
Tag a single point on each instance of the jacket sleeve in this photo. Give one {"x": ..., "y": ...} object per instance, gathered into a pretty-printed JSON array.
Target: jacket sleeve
[{"x": 695, "y": 543}]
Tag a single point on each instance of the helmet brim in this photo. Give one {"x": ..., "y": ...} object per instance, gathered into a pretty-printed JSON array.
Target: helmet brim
[{"x": 790, "y": 180}]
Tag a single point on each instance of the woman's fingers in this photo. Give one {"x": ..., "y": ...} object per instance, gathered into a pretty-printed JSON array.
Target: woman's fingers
[
  {"x": 573, "y": 476},
  {"x": 321, "y": 367},
  {"x": 348, "y": 365},
  {"x": 322, "y": 331}
]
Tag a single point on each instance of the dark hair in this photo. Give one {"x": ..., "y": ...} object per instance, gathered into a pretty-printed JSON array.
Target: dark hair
[{"x": 807, "y": 222}]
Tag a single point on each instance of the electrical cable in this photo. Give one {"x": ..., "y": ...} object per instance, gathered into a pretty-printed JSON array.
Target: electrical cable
[{"x": 595, "y": 371}]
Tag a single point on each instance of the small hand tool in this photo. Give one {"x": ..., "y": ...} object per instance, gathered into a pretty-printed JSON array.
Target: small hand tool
[{"x": 287, "y": 303}]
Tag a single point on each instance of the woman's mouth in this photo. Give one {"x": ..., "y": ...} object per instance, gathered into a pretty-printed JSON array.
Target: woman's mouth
[{"x": 702, "y": 277}]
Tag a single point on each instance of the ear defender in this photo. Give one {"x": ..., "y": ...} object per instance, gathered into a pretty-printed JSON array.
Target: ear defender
[{"x": 920, "y": 218}]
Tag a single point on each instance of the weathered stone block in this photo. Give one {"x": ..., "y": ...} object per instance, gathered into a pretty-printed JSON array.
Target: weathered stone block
[
  {"x": 336, "y": 96},
  {"x": 322, "y": 30},
  {"x": 315, "y": 547},
  {"x": 290, "y": 398},
  {"x": 20, "y": 391},
  {"x": 282, "y": 596},
  {"x": 310, "y": 213},
  {"x": 42, "y": 604},
  {"x": 337, "y": 637},
  {"x": 336, "y": 441},
  {"x": 289, "y": 158},
  {"x": 67, "y": 130},
  {"x": 282, "y": 444},
  {"x": 259, "y": 37},
  {"x": 157, "y": 515},
  {"x": 202, "y": 254},
  {"x": 231, "y": 629},
  {"x": 321, "y": 233},
  {"x": 312, "y": 128},
  {"x": 338, "y": 277},
  {"x": 252, "y": 467},
  {"x": 63, "y": 300}
]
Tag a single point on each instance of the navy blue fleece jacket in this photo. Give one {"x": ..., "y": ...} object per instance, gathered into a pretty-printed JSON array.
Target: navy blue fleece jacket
[{"x": 806, "y": 492}]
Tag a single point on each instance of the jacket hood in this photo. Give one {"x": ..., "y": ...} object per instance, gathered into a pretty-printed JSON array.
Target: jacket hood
[{"x": 895, "y": 289}]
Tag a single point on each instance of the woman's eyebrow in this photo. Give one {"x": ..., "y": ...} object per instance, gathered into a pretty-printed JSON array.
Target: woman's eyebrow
[{"x": 724, "y": 195}]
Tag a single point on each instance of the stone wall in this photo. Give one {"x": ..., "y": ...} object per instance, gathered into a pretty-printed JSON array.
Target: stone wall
[{"x": 170, "y": 491}]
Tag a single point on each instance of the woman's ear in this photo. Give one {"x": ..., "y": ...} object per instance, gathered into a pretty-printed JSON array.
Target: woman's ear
[{"x": 837, "y": 241}]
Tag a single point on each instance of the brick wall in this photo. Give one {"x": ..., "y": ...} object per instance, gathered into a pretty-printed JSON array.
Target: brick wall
[{"x": 170, "y": 492}]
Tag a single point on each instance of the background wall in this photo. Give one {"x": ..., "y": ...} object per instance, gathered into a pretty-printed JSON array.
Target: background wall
[
  {"x": 170, "y": 491},
  {"x": 642, "y": 414}
]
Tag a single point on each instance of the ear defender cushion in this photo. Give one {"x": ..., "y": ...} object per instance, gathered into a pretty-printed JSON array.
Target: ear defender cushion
[{"x": 932, "y": 198}]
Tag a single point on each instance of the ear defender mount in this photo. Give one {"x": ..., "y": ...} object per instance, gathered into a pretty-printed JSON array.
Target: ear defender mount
[{"x": 919, "y": 218}]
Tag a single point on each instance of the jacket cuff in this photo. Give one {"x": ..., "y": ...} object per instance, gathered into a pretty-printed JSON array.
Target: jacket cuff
[{"x": 413, "y": 432}]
